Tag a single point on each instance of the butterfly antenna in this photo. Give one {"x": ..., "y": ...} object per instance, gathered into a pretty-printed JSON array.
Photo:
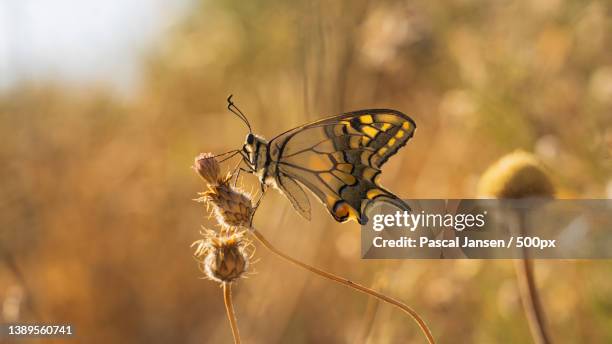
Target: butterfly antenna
[
  {"x": 235, "y": 151},
  {"x": 236, "y": 111},
  {"x": 229, "y": 156}
]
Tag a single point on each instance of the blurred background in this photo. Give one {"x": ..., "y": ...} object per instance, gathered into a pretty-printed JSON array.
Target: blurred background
[{"x": 103, "y": 106}]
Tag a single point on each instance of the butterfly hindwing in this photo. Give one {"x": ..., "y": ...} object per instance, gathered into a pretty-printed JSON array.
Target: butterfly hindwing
[
  {"x": 296, "y": 195},
  {"x": 339, "y": 159}
]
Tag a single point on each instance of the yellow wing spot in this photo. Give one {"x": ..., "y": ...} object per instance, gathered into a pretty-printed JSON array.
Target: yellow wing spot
[
  {"x": 391, "y": 142},
  {"x": 319, "y": 163},
  {"x": 406, "y": 125},
  {"x": 329, "y": 179},
  {"x": 388, "y": 118},
  {"x": 369, "y": 173},
  {"x": 382, "y": 151},
  {"x": 365, "y": 140},
  {"x": 338, "y": 156},
  {"x": 370, "y": 131},
  {"x": 345, "y": 167},
  {"x": 366, "y": 119},
  {"x": 376, "y": 160},
  {"x": 385, "y": 126},
  {"x": 338, "y": 130},
  {"x": 373, "y": 193},
  {"x": 349, "y": 128},
  {"x": 331, "y": 200},
  {"x": 355, "y": 142},
  {"x": 400, "y": 134},
  {"x": 345, "y": 177},
  {"x": 353, "y": 214},
  {"x": 365, "y": 157}
]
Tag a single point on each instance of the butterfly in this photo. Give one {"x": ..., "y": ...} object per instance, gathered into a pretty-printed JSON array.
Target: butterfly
[{"x": 338, "y": 159}]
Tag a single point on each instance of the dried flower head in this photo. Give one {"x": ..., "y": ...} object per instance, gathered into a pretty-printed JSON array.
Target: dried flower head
[
  {"x": 231, "y": 206},
  {"x": 223, "y": 256},
  {"x": 208, "y": 167},
  {"x": 516, "y": 175}
]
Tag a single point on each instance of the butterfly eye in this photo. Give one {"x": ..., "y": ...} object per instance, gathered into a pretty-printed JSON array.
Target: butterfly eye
[{"x": 250, "y": 139}]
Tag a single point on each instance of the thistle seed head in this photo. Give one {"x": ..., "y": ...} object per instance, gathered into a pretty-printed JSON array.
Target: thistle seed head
[
  {"x": 231, "y": 206},
  {"x": 223, "y": 256}
]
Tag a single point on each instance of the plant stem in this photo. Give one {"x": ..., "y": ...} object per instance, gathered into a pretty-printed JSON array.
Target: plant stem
[
  {"x": 347, "y": 283},
  {"x": 529, "y": 291},
  {"x": 11, "y": 262},
  {"x": 229, "y": 307},
  {"x": 367, "y": 322}
]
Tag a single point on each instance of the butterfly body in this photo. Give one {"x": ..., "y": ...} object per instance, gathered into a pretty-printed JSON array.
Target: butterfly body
[
  {"x": 338, "y": 159},
  {"x": 255, "y": 155}
]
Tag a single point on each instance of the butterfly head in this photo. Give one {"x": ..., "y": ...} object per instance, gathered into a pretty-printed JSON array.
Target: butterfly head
[{"x": 253, "y": 150}]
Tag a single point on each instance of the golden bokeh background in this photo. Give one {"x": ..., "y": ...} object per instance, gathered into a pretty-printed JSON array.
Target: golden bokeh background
[{"x": 96, "y": 210}]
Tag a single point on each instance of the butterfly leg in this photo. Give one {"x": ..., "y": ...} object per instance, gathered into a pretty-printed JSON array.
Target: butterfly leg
[
  {"x": 263, "y": 192},
  {"x": 240, "y": 169},
  {"x": 237, "y": 174},
  {"x": 264, "y": 188}
]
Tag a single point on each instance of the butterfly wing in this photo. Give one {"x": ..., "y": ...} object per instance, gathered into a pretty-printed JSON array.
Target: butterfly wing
[
  {"x": 296, "y": 195},
  {"x": 339, "y": 160}
]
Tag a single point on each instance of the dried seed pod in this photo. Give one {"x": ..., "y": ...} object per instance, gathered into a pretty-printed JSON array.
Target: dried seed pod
[
  {"x": 208, "y": 167},
  {"x": 223, "y": 256}
]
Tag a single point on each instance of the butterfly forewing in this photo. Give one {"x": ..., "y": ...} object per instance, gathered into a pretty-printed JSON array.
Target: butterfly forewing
[{"x": 339, "y": 160}]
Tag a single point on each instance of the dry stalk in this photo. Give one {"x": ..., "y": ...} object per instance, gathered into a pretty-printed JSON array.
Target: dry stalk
[
  {"x": 229, "y": 307},
  {"x": 402, "y": 306}
]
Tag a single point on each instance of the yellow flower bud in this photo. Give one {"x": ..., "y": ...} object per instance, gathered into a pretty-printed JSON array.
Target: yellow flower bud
[{"x": 516, "y": 175}]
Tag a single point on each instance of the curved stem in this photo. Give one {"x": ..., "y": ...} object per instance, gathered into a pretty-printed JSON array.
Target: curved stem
[
  {"x": 529, "y": 291},
  {"x": 531, "y": 301},
  {"x": 229, "y": 307},
  {"x": 367, "y": 322},
  {"x": 348, "y": 283}
]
